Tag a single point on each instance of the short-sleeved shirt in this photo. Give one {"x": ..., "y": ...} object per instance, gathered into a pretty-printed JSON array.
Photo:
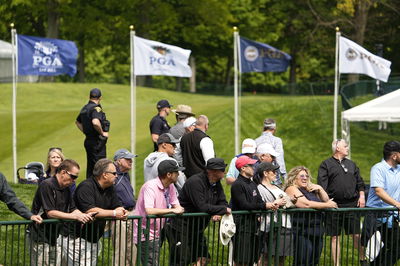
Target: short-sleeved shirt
[
  {"x": 89, "y": 112},
  {"x": 386, "y": 177},
  {"x": 89, "y": 194},
  {"x": 50, "y": 196},
  {"x": 158, "y": 126},
  {"x": 154, "y": 195}
]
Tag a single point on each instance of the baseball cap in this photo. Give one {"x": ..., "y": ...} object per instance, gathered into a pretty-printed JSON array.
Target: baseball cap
[
  {"x": 216, "y": 164},
  {"x": 168, "y": 166},
  {"x": 162, "y": 104},
  {"x": 167, "y": 138},
  {"x": 269, "y": 122},
  {"x": 95, "y": 93},
  {"x": 190, "y": 121},
  {"x": 183, "y": 109},
  {"x": 264, "y": 166},
  {"x": 243, "y": 160},
  {"x": 123, "y": 153},
  {"x": 249, "y": 146},
  {"x": 266, "y": 148}
]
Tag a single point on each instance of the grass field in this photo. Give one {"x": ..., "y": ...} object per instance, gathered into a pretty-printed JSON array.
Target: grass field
[{"x": 46, "y": 114}]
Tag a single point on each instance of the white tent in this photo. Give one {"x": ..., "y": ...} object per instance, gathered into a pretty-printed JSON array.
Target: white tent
[
  {"x": 6, "y": 65},
  {"x": 385, "y": 109}
]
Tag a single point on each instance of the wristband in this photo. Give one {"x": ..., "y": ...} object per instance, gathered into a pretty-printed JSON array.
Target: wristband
[{"x": 114, "y": 213}]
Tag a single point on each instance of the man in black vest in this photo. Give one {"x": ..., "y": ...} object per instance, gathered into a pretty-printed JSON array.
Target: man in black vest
[
  {"x": 93, "y": 123},
  {"x": 197, "y": 148}
]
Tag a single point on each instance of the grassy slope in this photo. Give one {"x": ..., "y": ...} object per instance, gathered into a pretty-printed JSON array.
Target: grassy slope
[{"x": 46, "y": 115}]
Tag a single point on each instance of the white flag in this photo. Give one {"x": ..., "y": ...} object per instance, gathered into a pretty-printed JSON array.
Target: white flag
[
  {"x": 355, "y": 59},
  {"x": 156, "y": 58}
]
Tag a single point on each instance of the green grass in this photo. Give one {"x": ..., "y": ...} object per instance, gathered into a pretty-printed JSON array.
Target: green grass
[{"x": 46, "y": 114}]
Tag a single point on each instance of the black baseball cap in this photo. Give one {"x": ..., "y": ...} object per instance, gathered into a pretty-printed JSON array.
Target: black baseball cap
[
  {"x": 266, "y": 167},
  {"x": 162, "y": 104},
  {"x": 95, "y": 93},
  {"x": 216, "y": 164},
  {"x": 167, "y": 138},
  {"x": 168, "y": 166}
]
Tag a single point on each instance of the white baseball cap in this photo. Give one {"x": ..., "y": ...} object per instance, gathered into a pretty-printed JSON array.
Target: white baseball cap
[
  {"x": 190, "y": 121},
  {"x": 264, "y": 148},
  {"x": 249, "y": 146}
]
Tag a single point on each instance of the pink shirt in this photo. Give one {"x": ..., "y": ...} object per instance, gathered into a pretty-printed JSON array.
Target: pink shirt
[{"x": 153, "y": 195}]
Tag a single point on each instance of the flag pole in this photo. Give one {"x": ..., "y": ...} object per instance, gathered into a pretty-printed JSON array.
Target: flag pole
[
  {"x": 133, "y": 106},
  {"x": 14, "y": 99},
  {"x": 335, "y": 100},
  {"x": 236, "y": 87}
]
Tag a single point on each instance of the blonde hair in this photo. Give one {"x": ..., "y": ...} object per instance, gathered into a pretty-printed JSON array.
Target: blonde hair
[
  {"x": 59, "y": 153},
  {"x": 292, "y": 176}
]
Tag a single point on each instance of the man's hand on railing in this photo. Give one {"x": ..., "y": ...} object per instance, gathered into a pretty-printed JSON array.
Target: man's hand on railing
[
  {"x": 83, "y": 217},
  {"x": 331, "y": 204},
  {"x": 37, "y": 219},
  {"x": 121, "y": 213},
  {"x": 361, "y": 201},
  {"x": 178, "y": 210},
  {"x": 216, "y": 218}
]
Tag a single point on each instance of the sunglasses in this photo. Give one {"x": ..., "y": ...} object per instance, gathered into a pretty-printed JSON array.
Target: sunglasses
[
  {"x": 304, "y": 176},
  {"x": 71, "y": 175},
  {"x": 344, "y": 167},
  {"x": 55, "y": 148},
  {"x": 113, "y": 173}
]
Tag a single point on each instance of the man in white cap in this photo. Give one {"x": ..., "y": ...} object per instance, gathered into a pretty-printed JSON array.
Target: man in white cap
[
  {"x": 248, "y": 149},
  {"x": 125, "y": 253},
  {"x": 188, "y": 125},
  {"x": 268, "y": 136},
  {"x": 266, "y": 153},
  {"x": 182, "y": 112}
]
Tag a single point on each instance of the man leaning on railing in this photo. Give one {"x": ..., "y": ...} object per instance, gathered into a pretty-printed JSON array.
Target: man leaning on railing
[
  {"x": 202, "y": 192},
  {"x": 53, "y": 200},
  {"x": 384, "y": 193}
]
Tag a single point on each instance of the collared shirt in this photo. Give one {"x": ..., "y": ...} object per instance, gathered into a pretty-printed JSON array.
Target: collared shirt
[
  {"x": 153, "y": 194},
  {"x": 89, "y": 112},
  {"x": 158, "y": 125},
  {"x": 342, "y": 181},
  {"x": 386, "y": 177},
  {"x": 276, "y": 143},
  {"x": 88, "y": 195},
  {"x": 245, "y": 195},
  {"x": 124, "y": 189}
]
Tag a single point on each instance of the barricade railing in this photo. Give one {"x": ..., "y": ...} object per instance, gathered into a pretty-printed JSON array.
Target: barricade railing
[{"x": 286, "y": 237}]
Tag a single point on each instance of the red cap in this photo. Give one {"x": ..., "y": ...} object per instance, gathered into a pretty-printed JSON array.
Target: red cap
[{"x": 243, "y": 160}]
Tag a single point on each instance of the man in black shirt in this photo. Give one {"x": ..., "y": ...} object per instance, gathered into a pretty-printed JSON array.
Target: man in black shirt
[
  {"x": 245, "y": 196},
  {"x": 159, "y": 124},
  {"x": 341, "y": 179},
  {"x": 97, "y": 194},
  {"x": 93, "y": 123},
  {"x": 202, "y": 192},
  {"x": 53, "y": 201}
]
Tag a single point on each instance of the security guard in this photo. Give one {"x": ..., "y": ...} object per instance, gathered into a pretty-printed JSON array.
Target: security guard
[{"x": 93, "y": 123}]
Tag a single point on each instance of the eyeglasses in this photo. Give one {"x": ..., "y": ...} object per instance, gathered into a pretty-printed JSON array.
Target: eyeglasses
[
  {"x": 173, "y": 144},
  {"x": 304, "y": 176},
  {"x": 113, "y": 173},
  {"x": 344, "y": 167},
  {"x": 55, "y": 148},
  {"x": 72, "y": 176}
]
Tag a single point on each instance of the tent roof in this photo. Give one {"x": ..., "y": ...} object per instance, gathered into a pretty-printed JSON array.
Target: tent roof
[
  {"x": 385, "y": 108},
  {"x": 5, "y": 49}
]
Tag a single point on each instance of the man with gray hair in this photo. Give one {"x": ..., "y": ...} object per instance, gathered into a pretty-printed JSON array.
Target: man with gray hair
[
  {"x": 268, "y": 136},
  {"x": 197, "y": 148},
  {"x": 182, "y": 112},
  {"x": 341, "y": 179},
  {"x": 97, "y": 195}
]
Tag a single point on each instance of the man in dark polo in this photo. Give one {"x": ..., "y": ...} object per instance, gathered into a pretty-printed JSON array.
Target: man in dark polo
[
  {"x": 93, "y": 123},
  {"x": 97, "y": 194},
  {"x": 159, "y": 124},
  {"x": 125, "y": 251},
  {"x": 53, "y": 200},
  {"x": 202, "y": 192}
]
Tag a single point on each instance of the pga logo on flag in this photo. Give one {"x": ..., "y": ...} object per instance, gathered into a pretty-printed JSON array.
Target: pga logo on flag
[{"x": 46, "y": 57}]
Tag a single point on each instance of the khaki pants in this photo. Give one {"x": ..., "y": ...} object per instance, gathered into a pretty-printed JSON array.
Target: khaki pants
[
  {"x": 44, "y": 254},
  {"x": 125, "y": 251}
]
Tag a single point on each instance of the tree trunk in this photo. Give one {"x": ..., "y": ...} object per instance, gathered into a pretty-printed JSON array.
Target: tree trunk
[
  {"x": 192, "y": 79},
  {"x": 81, "y": 60},
  {"x": 228, "y": 75},
  {"x": 178, "y": 84},
  {"x": 292, "y": 71}
]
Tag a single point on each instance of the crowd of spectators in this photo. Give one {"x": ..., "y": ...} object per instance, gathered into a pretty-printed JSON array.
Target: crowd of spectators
[{"x": 183, "y": 175}]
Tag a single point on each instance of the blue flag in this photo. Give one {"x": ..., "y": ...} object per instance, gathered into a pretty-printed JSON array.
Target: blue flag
[
  {"x": 261, "y": 57},
  {"x": 46, "y": 57}
]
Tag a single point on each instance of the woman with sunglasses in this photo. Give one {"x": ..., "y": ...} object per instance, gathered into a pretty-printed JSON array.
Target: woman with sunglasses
[{"x": 307, "y": 226}]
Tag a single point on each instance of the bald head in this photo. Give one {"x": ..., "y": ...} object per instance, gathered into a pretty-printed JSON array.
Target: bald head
[{"x": 202, "y": 123}]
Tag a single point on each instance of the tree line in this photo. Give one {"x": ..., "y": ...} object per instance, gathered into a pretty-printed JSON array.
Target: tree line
[{"x": 305, "y": 29}]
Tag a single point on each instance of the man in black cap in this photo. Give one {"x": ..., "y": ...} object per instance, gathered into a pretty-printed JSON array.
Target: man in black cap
[
  {"x": 159, "y": 124},
  {"x": 202, "y": 192},
  {"x": 93, "y": 123}
]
